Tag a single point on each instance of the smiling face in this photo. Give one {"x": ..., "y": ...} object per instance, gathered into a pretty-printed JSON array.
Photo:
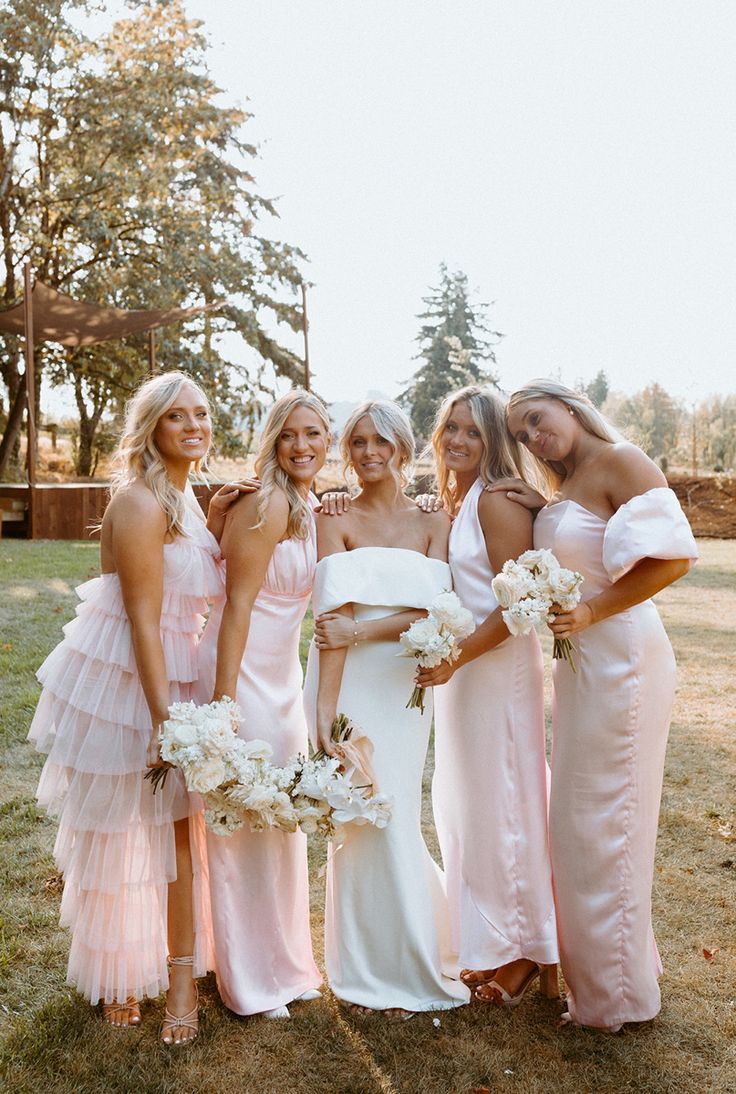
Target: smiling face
[
  {"x": 184, "y": 431},
  {"x": 461, "y": 446},
  {"x": 371, "y": 454},
  {"x": 545, "y": 426},
  {"x": 301, "y": 448}
]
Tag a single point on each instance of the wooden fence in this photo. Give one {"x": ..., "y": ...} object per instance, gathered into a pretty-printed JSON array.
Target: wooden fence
[{"x": 62, "y": 510}]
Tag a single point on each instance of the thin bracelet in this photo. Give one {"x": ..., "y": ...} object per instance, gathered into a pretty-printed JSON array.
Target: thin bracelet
[{"x": 355, "y": 636}]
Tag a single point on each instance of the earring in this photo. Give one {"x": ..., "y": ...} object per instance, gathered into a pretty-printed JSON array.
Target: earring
[{"x": 571, "y": 411}]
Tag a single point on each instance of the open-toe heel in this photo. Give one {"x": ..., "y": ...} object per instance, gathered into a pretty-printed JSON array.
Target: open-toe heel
[{"x": 188, "y": 1022}]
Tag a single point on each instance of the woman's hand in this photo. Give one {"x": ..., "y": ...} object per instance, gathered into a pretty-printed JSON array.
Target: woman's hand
[
  {"x": 153, "y": 752},
  {"x": 334, "y": 503},
  {"x": 428, "y": 503},
  {"x": 569, "y": 623},
  {"x": 324, "y": 735},
  {"x": 431, "y": 678},
  {"x": 520, "y": 491},
  {"x": 335, "y": 631},
  {"x": 221, "y": 501}
]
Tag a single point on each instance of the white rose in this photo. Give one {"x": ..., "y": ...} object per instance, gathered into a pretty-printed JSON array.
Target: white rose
[
  {"x": 419, "y": 635},
  {"x": 206, "y": 776},
  {"x": 448, "y": 610}
]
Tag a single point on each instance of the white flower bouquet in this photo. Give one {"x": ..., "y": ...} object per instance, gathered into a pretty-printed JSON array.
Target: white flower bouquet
[
  {"x": 436, "y": 638},
  {"x": 329, "y": 791},
  {"x": 240, "y": 785},
  {"x": 532, "y": 590}
]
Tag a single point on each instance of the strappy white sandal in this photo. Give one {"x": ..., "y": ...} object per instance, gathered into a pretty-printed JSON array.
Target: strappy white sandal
[{"x": 186, "y": 1021}]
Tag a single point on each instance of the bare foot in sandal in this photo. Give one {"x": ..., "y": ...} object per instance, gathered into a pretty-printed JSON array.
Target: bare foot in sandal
[
  {"x": 473, "y": 977},
  {"x": 122, "y": 1015}
]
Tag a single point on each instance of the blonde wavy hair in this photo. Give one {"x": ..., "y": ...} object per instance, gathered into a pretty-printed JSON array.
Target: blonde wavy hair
[
  {"x": 269, "y": 470},
  {"x": 588, "y": 415},
  {"x": 391, "y": 422},
  {"x": 137, "y": 456},
  {"x": 502, "y": 456}
]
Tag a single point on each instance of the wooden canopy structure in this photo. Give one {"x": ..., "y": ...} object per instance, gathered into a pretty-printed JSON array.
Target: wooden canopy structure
[{"x": 45, "y": 315}]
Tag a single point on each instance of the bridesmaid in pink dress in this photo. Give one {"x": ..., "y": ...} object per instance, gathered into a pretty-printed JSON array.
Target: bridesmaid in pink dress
[
  {"x": 134, "y": 883},
  {"x": 613, "y": 518},
  {"x": 250, "y": 651},
  {"x": 490, "y": 782}
]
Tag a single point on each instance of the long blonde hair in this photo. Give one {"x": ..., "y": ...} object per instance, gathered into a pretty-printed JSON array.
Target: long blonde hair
[
  {"x": 578, "y": 402},
  {"x": 390, "y": 422},
  {"x": 269, "y": 470},
  {"x": 502, "y": 456},
  {"x": 137, "y": 456}
]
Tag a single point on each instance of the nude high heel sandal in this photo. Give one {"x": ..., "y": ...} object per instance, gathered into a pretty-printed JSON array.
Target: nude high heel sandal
[
  {"x": 494, "y": 993},
  {"x": 188, "y": 1021}
]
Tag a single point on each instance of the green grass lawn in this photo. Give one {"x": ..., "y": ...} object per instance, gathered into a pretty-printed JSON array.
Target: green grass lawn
[{"x": 54, "y": 1042}]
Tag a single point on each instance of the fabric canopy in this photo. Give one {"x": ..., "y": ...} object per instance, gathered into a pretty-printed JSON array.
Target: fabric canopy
[{"x": 60, "y": 318}]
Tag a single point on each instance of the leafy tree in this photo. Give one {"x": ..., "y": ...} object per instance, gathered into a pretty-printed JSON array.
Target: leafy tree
[
  {"x": 131, "y": 184},
  {"x": 455, "y": 342},
  {"x": 651, "y": 419},
  {"x": 715, "y": 432},
  {"x": 598, "y": 388}
]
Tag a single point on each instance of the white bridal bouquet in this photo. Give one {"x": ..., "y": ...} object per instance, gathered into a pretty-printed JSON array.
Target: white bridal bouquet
[
  {"x": 436, "y": 638},
  {"x": 239, "y": 784},
  {"x": 533, "y": 590}
]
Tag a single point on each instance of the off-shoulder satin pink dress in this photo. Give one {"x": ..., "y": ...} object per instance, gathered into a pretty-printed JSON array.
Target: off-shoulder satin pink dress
[
  {"x": 115, "y": 845},
  {"x": 259, "y": 886},
  {"x": 491, "y": 777},
  {"x": 611, "y": 720}
]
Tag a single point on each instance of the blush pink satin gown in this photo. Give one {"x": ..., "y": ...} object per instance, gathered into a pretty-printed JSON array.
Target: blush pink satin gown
[
  {"x": 115, "y": 844},
  {"x": 611, "y": 720},
  {"x": 259, "y": 887},
  {"x": 490, "y": 784}
]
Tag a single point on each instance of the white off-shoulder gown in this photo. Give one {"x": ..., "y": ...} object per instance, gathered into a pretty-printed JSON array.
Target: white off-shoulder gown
[
  {"x": 610, "y": 724},
  {"x": 387, "y": 936}
]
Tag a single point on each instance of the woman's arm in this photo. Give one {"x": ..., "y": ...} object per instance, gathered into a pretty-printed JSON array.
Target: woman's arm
[
  {"x": 247, "y": 551},
  {"x": 138, "y": 537},
  {"x": 507, "y": 530},
  {"x": 335, "y": 630},
  {"x": 643, "y": 581}
]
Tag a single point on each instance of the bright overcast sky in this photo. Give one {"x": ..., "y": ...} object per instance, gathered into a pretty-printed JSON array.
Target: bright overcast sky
[{"x": 576, "y": 160}]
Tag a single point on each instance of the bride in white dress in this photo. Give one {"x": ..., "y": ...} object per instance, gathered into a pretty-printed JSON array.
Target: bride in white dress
[{"x": 387, "y": 937}]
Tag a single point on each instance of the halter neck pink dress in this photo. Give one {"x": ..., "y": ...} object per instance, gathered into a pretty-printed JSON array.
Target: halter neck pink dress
[
  {"x": 115, "y": 844},
  {"x": 490, "y": 784},
  {"x": 259, "y": 886},
  {"x": 611, "y": 720}
]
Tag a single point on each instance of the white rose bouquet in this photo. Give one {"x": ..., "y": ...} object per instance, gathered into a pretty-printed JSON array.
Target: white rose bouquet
[
  {"x": 532, "y": 590},
  {"x": 436, "y": 638}
]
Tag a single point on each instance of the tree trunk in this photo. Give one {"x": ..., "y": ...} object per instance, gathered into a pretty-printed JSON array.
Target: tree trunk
[{"x": 13, "y": 428}]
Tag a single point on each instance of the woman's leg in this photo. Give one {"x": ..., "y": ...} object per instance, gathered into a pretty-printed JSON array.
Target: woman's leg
[{"x": 181, "y": 998}]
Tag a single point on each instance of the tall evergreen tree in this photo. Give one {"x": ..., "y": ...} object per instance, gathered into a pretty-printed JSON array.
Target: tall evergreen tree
[{"x": 455, "y": 343}]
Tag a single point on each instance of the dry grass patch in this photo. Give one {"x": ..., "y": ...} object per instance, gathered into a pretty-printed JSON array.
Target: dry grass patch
[{"x": 56, "y": 1043}]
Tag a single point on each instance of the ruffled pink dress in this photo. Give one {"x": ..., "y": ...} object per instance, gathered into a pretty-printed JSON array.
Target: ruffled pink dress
[
  {"x": 115, "y": 844},
  {"x": 259, "y": 885},
  {"x": 490, "y": 783},
  {"x": 610, "y": 721}
]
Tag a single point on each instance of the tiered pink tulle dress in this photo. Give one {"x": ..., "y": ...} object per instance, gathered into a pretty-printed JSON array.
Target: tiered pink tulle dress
[
  {"x": 259, "y": 882},
  {"x": 490, "y": 782},
  {"x": 115, "y": 844},
  {"x": 610, "y": 724}
]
